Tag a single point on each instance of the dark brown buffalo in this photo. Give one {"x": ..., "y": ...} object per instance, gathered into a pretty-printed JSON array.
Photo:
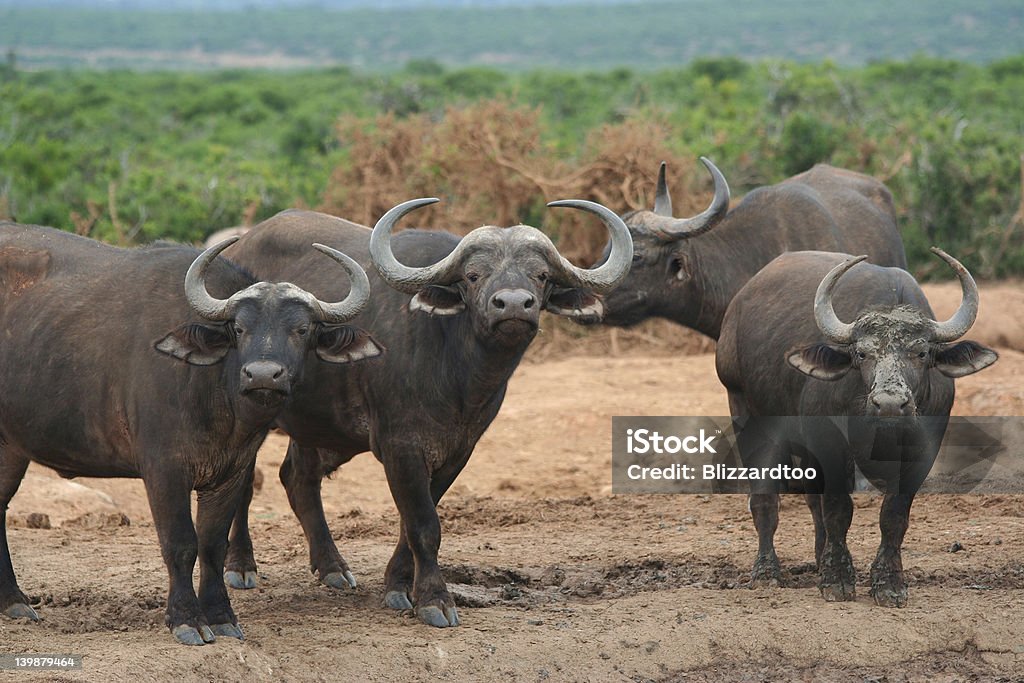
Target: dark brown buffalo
[
  {"x": 456, "y": 317},
  {"x": 110, "y": 368},
  {"x": 688, "y": 270},
  {"x": 786, "y": 350}
]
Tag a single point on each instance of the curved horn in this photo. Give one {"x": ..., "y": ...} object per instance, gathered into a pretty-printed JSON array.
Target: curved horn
[
  {"x": 358, "y": 296},
  {"x": 615, "y": 268},
  {"x": 957, "y": 326},
  {"x": 662, "y": 199},
  {"x": 834, "y": 329},
  {"x": 401, "y": 277},
  {"x": 199, "y": 299},
  {"x": 670, "y": 229}
]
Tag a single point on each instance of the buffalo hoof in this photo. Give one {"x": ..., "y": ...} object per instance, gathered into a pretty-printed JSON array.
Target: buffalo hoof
[
  {"x": 20, "y": 610},
  {"x": 838, "y": 592},
  {"x": 240, "y": 580},
  {"x": 890, "y": 597},
  {"x": 397, "y": 600},
  {"x": 228, "y": 631},
  {"x": 838, "y": 582},
  {"x": 340, "y": 580},
  {"x": 888, "y": 593},
  {"x": 766, "y": 573},
  {"x": 433, "y": 616},
  {"x": 189, "y": 635}
]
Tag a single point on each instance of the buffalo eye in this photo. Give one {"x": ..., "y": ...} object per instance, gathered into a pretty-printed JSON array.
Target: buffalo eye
[
  {"x": 472, "y": 277},
  {"x": 303, "y": 331},
  {"x": 637, "y": 257},
  {"x": 861, "y": 355},
  {"x": 543, "y": 277},
  {"x": 239, "y": 330}
]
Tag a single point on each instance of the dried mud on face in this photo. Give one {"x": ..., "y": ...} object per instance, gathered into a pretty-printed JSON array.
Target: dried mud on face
[{"x": 556, "y": 578}]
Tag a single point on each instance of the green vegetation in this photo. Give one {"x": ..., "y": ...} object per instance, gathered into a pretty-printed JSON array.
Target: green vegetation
[
  {"x": 138, "y": 156},
  {"x": 579, "y": 36}
]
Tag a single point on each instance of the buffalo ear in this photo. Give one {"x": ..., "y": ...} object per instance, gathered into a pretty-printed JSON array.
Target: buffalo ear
[
  {"x": 438, "y": 300},
  {"x": 964, "y": 358},
  {"x": 820, "y": 361},
  {"x": 345, "y": 344},
  {"x": 578, "y": 304},
  {"x": 197, "y": 344},
  {"x": 680, "y": 265}
]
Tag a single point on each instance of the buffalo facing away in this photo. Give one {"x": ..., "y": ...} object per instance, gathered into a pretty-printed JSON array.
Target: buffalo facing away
[
  {"x": 688, "y": 270},
  {"x": 110, "y": 369},
  {"x": 456, "y": 317},
  {"x": 786, "y": 350}
]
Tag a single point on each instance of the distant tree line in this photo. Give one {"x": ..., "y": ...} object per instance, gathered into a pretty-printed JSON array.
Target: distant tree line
[{"x": 514, "y": 35}]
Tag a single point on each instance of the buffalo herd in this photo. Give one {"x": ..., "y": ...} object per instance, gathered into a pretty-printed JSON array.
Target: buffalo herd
[{"x": 171, "y": 365}]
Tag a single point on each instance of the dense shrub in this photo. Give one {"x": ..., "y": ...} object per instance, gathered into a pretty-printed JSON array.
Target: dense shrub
[{"x": 135, "y": 156}]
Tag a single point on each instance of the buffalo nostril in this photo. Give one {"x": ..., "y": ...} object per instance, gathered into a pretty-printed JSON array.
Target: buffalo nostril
[
  {"x": 498, "y": 302},
  {"x": 528, "y": 304},
  {"x": 248, "y": 373},
  {"x": 277, "y": 375}
]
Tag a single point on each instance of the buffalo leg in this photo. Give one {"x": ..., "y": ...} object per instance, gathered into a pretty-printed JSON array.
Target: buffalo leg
[
  {"x": 240, "y": 564},
  {"x": 410, "y": 487},
  {"x": 216, "y": 508},
  {"x": 888, "y": 587},
  {"x": 301, "y": 474},
  {"x": 169, "y": 501},
  {"x": 814, "y": 504},
  {"x": 836, "y": 574},
  {"x": 760, "y": 445},
  {"x": 764, "y": 507},
  {"x": 13, "y": 602},
  {"x": 401, "y": 570}
]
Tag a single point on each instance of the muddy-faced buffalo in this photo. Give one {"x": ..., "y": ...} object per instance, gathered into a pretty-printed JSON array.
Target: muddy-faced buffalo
[
  {"x": 785, "y": 350},
  {"x": 688, "y": 270},
  {"x": 108, "y": 368},
  {"x": 452, "y": 345}
]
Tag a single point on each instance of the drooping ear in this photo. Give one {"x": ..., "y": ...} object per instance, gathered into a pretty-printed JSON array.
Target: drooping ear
[
  {"x": 964, "y": 358},
  {"x": 820, "y": 361},
  {"x": 197, "y": 344},
  {"x": 345, "y": 344},
  {"x": 438, "y": 300},
  {"x": 578, "y": 304}
]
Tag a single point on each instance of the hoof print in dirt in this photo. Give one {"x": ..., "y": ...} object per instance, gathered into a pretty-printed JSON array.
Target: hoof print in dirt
[
  {"x": 397, "y": 600},
  {"x": 340, "y": 580},
  {"x": 240, "y": 580},
  {"x": 189, "y": 635}
]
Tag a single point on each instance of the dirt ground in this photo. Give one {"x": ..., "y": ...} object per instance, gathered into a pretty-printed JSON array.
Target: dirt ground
[{"x": 558, "y": 579}]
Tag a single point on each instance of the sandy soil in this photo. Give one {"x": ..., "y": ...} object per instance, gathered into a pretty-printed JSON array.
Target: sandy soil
[{"x": 558, "y": 579}]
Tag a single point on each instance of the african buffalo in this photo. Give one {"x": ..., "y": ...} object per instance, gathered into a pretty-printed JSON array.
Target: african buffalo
[
  {"x": 109, "y": 368},
  {"x": 876, "y": 391},
  {"x": 688, "y": 270},
  {"x": 456, "y": 317}
]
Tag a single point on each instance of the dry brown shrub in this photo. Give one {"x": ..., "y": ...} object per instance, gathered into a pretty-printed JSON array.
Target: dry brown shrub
[
  {"x": 392, "y": 160},
  {"x": 383, "y": 160},
  {"x": 490, "y": 164}
]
